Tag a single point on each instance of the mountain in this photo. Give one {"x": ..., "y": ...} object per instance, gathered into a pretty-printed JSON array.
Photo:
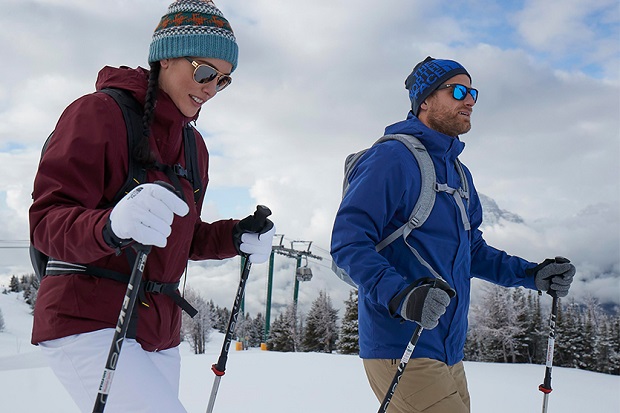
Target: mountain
[{"x": 492, "y": 214}]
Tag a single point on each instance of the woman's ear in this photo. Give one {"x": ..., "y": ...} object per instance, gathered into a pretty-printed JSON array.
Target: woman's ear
[{"x": 164, "y": 63}]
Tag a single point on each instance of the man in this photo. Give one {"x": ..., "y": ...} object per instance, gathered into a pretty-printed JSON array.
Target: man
[{"x": 394, "y": 288}]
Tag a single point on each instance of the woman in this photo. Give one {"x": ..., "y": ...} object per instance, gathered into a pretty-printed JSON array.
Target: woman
[{"x": 74, "y": 221}]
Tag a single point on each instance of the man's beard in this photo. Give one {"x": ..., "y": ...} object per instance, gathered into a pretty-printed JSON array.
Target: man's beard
[{"x": 445, "y": 122}]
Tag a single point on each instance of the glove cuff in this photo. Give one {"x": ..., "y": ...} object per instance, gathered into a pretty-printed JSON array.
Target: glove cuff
[
  {"x": 236, "y": 237},
  {"x": 532, "y": 271},
  {"x": 395, "y": 303},
  {"x": 112, "y": 240}
]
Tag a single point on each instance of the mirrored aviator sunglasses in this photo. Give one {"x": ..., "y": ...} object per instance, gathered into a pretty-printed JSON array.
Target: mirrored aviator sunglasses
[
  {"x": 459, "y": 92},
  {"x": 204, "y": 73}
]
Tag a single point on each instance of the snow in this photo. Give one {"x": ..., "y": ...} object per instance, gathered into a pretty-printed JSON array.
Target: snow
[{"x": 260, "y": 381}]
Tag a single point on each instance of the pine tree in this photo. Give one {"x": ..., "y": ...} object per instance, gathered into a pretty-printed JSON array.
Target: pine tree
[
  {"x": 221, "y": 317},
  {"x": 321, "y": 331},
  {"x": 591, "y": 330},
  {"x": 283, "y": 334},
  {"x": 241, "y": 327},
  {"x": 29, "y": 285},
  {"x": 569, "y": 340},
  {"x": 614, "y": 345},
  {"x": 537, "y": 328},
  {"x": 348, "y": 342},
  {"x": 523, "y": 337},
  {"x": 497, "y": 325},
  {"x": 585, "y": 336},
  {"x": 250, "y": 331},
  {"x": 257, "y": 331},
  {"x": 605, "y": 361},
  {"x": 14, "y": 284}
]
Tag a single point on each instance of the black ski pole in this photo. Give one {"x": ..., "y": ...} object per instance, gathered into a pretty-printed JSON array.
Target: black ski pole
[
  {"x": 122, "y": 325},
  {"x": 546, "y": 386},
  {"x": 401, "y": 368},
  {"x": 219, "y": 369},
  {"x": 131, "y": 296},
  {"x": 436, "y": 283}
]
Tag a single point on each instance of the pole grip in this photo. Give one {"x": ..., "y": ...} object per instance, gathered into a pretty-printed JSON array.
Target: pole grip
[{"x": 261, "y": 214}]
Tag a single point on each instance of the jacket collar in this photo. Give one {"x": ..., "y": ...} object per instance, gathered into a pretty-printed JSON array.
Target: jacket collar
[{"x": 436, "y": 143}]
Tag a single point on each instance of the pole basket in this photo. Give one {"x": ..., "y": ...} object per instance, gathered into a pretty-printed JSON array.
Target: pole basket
[
  {"x": 216, "y": 371},
  {"x": 544, "y": 389}
]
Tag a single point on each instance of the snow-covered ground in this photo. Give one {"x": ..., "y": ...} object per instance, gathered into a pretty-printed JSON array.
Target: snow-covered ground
[{"x": 259, "y": 381}]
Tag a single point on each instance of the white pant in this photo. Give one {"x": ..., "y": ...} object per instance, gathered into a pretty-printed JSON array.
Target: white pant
[{"x": 143, "y": 381}]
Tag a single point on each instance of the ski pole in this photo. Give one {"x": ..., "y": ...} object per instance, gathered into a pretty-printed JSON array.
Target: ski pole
[
  {"x": 122, "y": 325},
  {"x": 219, "y": 369},
  {"x": 436, "y": 283},
  {"x": 546, "y": 386},
  {"x": 401, "y": 368},
  {"x": 131, "y": 295}
]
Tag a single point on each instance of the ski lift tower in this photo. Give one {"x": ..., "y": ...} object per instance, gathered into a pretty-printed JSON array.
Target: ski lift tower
[{"x": 301, "y": 273}]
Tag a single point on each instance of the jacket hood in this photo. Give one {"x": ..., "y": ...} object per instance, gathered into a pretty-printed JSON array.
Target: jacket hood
[{"x": 133, "y": 80}]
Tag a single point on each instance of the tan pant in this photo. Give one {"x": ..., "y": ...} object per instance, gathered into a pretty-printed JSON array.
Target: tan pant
[{"x": 426, "y": 385}]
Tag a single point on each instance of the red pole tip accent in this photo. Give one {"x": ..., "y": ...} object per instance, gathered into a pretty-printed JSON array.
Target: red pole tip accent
[
  {"x": 216, "y": 371},
  {"x": 543, "y": 389}
]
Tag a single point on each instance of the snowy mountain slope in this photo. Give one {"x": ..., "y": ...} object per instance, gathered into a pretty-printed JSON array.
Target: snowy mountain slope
[{"x": 260, "y": 382}]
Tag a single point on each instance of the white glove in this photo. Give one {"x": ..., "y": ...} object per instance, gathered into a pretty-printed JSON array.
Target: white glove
[
  {"x": 146, "y": 213},
  {"x": 257, "y": 246}
]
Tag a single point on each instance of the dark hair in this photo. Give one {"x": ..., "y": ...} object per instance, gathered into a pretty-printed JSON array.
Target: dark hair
[{"x": 142, "y": 152}]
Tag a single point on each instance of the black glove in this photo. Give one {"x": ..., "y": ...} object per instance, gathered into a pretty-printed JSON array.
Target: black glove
[
  {"x": 553, "y": 276},
  {"x": 425, "y": 303}
]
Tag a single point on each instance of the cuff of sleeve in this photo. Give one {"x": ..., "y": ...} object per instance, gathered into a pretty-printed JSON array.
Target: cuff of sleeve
[
  {"x": 112, "y": 240},
  {"x": 236, "y": 237}
]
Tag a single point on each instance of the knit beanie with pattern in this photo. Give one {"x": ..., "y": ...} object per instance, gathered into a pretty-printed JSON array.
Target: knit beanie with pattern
[
  {"x": 194, "y": 28},
  {"x": 427, "y": 76}
]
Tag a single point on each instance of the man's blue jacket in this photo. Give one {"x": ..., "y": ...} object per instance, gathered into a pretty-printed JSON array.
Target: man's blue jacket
[{"x": 384, "y": 187}]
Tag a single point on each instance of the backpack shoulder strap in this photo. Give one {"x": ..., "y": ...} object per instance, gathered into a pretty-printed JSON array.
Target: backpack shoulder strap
[
  {"x": 191, "y": 161},
  {"x": 132, "y": 114},
  {"x": 424, "y": 205}
]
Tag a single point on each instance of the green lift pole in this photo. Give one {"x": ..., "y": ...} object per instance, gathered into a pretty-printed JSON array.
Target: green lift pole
[
  {"x": 269, "y": 290},
  {"x": 296, "y": 292}
]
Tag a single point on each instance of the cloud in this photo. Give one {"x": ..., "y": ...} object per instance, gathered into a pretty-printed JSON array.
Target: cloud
[
  {"x": 317, "y": 81},
  {"x": 562, "y": 27}
]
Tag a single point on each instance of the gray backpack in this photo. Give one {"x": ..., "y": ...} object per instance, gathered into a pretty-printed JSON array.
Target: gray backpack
[{"x": 423, "y": 206}]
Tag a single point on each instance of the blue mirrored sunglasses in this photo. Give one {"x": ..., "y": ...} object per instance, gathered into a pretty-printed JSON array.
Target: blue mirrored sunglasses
[{"x": 459, "y": 92}]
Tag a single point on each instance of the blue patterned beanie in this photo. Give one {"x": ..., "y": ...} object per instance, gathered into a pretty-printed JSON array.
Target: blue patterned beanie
[
  {"x": 194, "y": 28},
  {"x": 427, "y": 76}
]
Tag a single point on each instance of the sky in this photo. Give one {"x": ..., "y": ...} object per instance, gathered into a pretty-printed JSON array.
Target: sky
[
  {"x": 272, "y": 382},
  {"x": 319, "y": 80}
]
